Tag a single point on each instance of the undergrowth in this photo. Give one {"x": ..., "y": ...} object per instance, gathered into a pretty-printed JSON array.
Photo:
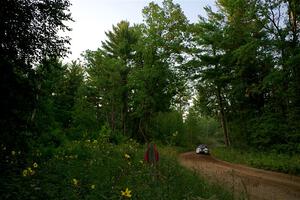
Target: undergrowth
[
  {"x": 265, "y": 160},
  {"x": 97, "y": 169}
]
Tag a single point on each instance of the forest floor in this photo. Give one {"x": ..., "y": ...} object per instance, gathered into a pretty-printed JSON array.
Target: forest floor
[{"x": 246, "y": 182}]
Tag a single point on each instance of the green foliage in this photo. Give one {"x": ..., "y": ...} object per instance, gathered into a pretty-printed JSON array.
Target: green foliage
[
  {"x": 28, "y": 34},
  {"x": 245, "y": 52},
  {"x": 59, "y": 87},
  {"x": 22, "y": 36},
  {"x": 96, "y": 169},
  {"x": 168, "y": 128},
  {"x": 132, "y": 77},
  {"x": 201, "y": 130},
  {"x": 78, "y": 118},
  {"x": 266, "y": 160},
  {"x": 84, "y": 115}
]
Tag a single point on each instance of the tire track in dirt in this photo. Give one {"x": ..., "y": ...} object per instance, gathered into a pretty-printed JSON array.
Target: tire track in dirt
[{"x": 243, "y": 181}]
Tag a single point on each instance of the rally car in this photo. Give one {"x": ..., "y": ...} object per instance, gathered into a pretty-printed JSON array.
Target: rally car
[{"x": 202, "y": 149}]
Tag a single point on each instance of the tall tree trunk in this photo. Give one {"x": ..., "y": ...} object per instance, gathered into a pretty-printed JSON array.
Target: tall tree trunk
[
  {"x": 292, "y": 11},
  {"x": 32, "y": 118},
  {"x": 142, "y": 131},
  {"x": 223, "y": 118},
  {"x": 113, "y": 117},
  {"x": 124, "y": 111},
  {"x": 124, "y": 76}
]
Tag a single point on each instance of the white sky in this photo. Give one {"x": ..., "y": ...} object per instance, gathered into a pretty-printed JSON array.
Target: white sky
[{"x": 94, "y": 17}]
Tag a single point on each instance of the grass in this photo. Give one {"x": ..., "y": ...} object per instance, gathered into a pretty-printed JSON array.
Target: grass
[
  {"x": 97, "y": 169},
  {"x": 270, "y": 161}
]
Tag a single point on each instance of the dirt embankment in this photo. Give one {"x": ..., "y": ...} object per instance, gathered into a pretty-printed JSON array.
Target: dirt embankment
[{"x": 247, "y": 182}]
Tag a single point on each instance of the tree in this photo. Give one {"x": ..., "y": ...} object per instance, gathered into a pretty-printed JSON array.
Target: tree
[
  {"x": 142, "y": 62},
  {"x": 28, "y": 34},
  {"x": 247, "y": 52},
  {"x": 105, "y": 87},
  {"x": 213, "y": 76},
  {"x": 155, "y": 80},
  {"x": 46, "y": 115},
  {"x": 120, "y": 45},
  {"x": 29, "y": 29},
  {"x": 59, "y": 86},
  {"x": 282, "y": 83},
  {"x": 108, "y": 69}
]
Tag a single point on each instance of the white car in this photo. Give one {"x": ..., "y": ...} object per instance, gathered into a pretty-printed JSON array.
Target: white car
[{"x": 202, "y": 149}]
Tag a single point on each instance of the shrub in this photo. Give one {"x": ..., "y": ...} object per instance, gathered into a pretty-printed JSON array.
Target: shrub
[{"x": 97, "y": 169}]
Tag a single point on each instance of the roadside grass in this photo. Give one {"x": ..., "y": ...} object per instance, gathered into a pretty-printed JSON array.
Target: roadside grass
[
  {"x": 289, "y": 164},
  {"x": 97, "y": 169}
]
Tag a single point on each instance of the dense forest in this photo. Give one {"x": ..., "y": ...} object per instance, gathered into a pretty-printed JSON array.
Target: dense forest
[{"x": 238, "y": 65}]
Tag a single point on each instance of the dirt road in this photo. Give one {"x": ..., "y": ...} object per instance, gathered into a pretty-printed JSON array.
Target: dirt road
[{"x": 250, "y": 183}]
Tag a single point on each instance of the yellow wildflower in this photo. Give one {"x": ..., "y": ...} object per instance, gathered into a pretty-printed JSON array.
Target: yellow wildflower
[
  {"x": 35, "y": 165},
  {"x": 75, "y": 181},
  {"x": 127, "y": 156},
  {"x": 25, "y": 172},
  {"x": 30, "y": 171},
  {"x": 126, "y": 193},
  {"x": 93, "y": 187}
]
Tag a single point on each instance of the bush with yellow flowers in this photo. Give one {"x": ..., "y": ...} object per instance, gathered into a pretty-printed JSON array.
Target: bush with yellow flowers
[{"x": 96, "y": 169}]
